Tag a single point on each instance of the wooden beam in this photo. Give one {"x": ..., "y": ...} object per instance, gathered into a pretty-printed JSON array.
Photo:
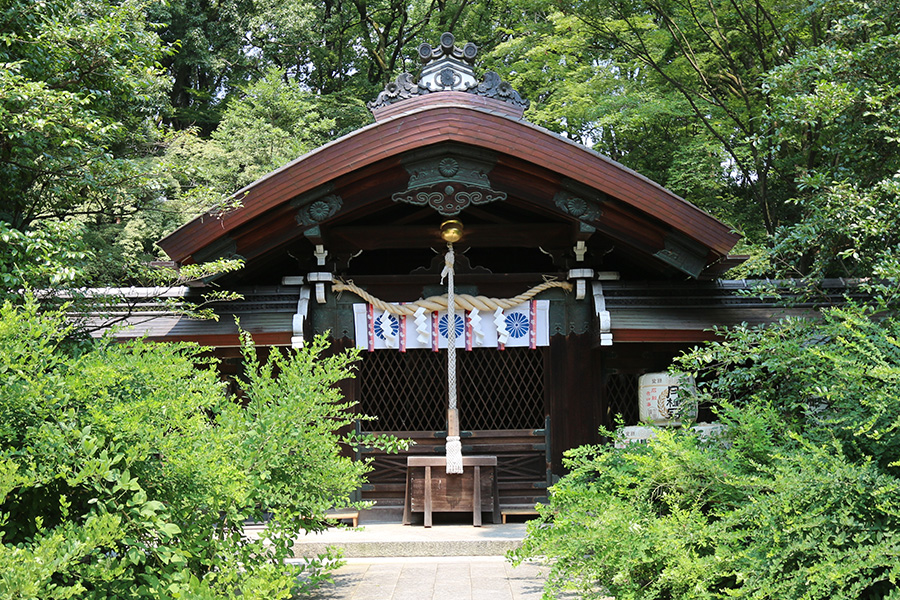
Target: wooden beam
[{"x": 662, "y": 335}]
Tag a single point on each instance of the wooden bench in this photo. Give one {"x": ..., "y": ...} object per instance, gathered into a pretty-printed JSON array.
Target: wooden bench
[
  {"x": 345, "y": 514},
  {"x": 518, "y": 510}
]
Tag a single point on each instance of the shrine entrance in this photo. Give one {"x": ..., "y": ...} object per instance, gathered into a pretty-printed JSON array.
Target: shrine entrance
[{"x": 503, "y": 412}]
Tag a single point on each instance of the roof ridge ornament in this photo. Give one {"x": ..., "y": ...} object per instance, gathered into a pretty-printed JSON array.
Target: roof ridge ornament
[
  {"x": 448, "y": 47},
  {"x": 447, "y": 68}
]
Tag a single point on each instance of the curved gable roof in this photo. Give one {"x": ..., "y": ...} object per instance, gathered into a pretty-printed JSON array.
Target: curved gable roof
[{"x": 533, "y": 165}]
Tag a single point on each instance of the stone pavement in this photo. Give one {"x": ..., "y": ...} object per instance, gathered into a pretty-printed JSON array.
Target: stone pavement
[
  {"x": 435, "y": 578},
  {"x": 452, "y": 560}
]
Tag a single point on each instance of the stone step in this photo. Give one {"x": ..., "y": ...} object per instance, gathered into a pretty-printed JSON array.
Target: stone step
[{"x": 447, "y": 537}]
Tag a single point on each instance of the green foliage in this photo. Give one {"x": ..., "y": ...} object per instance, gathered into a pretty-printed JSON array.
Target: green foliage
[
  {"x": 49, "y": 256},
  {"x": 832, "y": 380},
  {"x": 337, "y": 50},
  {"x": 834, "y": 115},
  {"x": 272, "y": 123},
  {"x": 589, "y": 91},
  {"x": 700, "y": 67},
  {"x": 770, "y": 116},
  {"x": 79, "y": 91},
  {"x": 209, "y": 57},
  {"x": 126, "y": 470},
  {"x": 53, "y": 262},
  {"x": 80, "y": 97},
  {"x": 800, "y": 498},
  {"x": 684, "y": 518}
]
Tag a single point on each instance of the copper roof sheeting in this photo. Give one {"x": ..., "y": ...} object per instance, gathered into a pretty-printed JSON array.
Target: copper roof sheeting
[{"x": 264, "y": 312}]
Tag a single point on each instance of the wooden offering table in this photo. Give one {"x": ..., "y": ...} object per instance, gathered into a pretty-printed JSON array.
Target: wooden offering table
[{"x": 429, "y": 488}]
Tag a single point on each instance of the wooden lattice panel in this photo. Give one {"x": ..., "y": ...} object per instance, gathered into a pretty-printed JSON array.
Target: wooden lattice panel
[
  {"x": 407, "y": 391},
  {"x": 401, "y": 389},
  {"x": 501, "y": 389},
  {"x": 622, "y": 398}
]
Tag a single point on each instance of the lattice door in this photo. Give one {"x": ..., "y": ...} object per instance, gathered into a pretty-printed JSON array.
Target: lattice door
[
  {"x": 400, "y": 389},
  {"x": 496, "y": 389}
]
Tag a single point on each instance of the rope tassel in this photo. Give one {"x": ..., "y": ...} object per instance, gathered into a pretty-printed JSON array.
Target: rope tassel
[{"x": 454, "y": 455}]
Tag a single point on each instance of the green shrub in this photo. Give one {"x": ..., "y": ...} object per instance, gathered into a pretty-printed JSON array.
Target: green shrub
[
  {"x": 126, "y": 471},
  {"x": 800, "y": 498}
]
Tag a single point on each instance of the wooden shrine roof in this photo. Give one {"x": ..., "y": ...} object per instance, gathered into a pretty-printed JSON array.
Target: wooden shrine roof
[{"x": 531, "y": 166}]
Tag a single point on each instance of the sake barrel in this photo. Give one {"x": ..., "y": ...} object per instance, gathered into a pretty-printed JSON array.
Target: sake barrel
[
  {"x": 634, "y": 434},
  {"x": 709, "y": 430},
  {"x": 663, "y": 399}
]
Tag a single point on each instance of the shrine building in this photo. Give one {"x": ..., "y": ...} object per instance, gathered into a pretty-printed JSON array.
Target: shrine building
[{"x": 573, "y": 274}]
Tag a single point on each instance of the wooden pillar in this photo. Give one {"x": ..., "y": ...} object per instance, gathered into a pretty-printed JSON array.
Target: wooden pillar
[{"x": 574, "y": 392}]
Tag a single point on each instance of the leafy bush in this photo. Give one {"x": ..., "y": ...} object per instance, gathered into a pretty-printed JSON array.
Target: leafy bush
[
  {"x": 800, "y": 498},
  {"x": 126, "y": 471},
  {"x": 51, "y": 255}
]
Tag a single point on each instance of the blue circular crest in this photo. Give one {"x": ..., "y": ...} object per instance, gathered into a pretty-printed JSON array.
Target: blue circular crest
[
  {"x": 444, "y": 330},
  {"x": 395, "y": 327},
  {"x": 517, "y": 324}
]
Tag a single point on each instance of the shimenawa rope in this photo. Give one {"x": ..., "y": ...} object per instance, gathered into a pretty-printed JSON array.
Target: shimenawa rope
[{"x": 439, "y": 303}]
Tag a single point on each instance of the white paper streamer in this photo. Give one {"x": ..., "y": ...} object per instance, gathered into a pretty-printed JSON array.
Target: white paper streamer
[
  {"x": 387, "y": 330},
  {"x": 475, "y": 322},
  {"x": 423, "y": 331},
  {"x": 500, "y": 323}
]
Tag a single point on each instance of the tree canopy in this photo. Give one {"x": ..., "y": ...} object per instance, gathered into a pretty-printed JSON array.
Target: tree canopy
[
  {"x": 778, "y": 116},
  {"x": 745, "y": 109},
  {"x": 80, "y": 90}
]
